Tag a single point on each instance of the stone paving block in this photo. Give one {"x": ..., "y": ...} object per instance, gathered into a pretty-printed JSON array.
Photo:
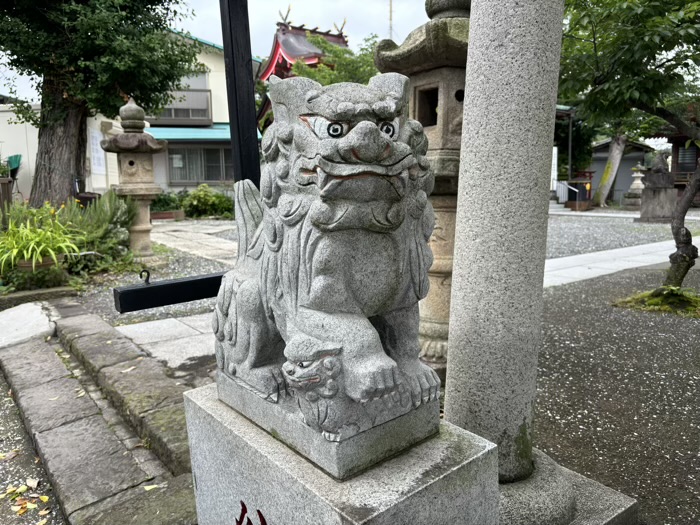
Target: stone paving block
[
  {"x": 68, "y": 307},
  {"x": 87, "y": 463},
  {"x": 24, "y": 322},
  {"x": 166, "y": 431},
  {"x": 31, "y": 364},
  {"x": 78, "y": 326},
  {"x": 152, "y": 331},
  {"x": 170, "y": 504},
  {"x": 200, "y": 322},
  {"x": 139, "y": 386},
  {"x": 177, "y": 352},
  {"x": 53, "y": 404},
  {"x": 104, "y": 348}
]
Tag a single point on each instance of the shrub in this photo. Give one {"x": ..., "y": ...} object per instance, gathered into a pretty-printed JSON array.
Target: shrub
[
  {"x": 166, "y": 202},
  {"x": 205, "y": 202},
  {"x": 18, "y": 280},
  {"x": 104, "y": 224}
]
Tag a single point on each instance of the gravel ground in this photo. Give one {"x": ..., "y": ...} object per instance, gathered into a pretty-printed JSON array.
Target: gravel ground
[
  {"x": 576, "y": 235},
  {"x": 618, "y": 394},
  {"x": 21, "y": 462},
  {"x": 99, "y": 299}
]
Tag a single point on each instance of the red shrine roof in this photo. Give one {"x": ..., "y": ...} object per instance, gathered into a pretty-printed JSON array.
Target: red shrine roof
[{"x": 290, "y": 44}]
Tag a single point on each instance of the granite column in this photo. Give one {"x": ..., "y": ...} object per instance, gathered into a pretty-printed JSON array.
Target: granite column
[{"x": 496, "y": 313}]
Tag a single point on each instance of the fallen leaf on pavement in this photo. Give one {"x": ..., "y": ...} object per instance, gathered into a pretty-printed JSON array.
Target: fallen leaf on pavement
[
  {"x": 10, "y": 455},
  {"x": 16, "y": 508},
  {"x": 53, "y": 398},
  {"x": 21, "y": 490},
  {"x": 150, "y": 487},
  {"x": 128, "y": 369},
  {"x": 43, "y": 522},
  {"x": 31, "y": 505},
  {"x": 32, "y": 483},
  {"x": 44, "y": 499}
]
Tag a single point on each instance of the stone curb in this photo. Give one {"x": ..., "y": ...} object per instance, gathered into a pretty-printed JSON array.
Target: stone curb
[
  {"x": 96, "y": 464},
  {"x": 138, "y": 386},
  {"x": 93, "y": 461}
]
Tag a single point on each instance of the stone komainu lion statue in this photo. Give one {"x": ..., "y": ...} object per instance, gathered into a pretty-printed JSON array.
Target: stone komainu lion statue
[{"x": 332, "y": 254}]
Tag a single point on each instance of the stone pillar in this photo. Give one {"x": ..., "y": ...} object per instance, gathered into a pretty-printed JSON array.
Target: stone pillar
[
  {"x": 632, "y": 200},
  {"x": 495, "y": 328},
  {"x": 135, "y": 150},
  {"x": 501, "y": 233},
  {"x": 433, "y": 57}
]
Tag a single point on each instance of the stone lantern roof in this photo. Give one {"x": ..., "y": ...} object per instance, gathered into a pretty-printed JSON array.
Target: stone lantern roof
[
  {"x": 441, "y": 42},
  {"x": 133, "y": 140}
]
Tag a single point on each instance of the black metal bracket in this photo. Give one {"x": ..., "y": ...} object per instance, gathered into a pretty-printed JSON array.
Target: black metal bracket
[{"x": 164, "y": 293}]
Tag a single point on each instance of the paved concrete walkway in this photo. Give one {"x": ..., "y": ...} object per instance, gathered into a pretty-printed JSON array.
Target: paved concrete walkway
[
  {"x": 197, "y": 239},
  {"x": 565, "y": 270}
]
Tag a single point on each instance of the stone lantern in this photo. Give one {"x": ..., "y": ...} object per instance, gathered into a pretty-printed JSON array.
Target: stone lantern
[
  {"x": 434, "y": 57},
  {"x": 135, "y": 150}
]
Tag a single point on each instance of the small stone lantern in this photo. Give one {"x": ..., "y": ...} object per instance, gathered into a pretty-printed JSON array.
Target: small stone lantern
[
  {"x": 434, "y": 57},
  {"x": 632, "y": 200},
  {"x": 135, "y": 150}
]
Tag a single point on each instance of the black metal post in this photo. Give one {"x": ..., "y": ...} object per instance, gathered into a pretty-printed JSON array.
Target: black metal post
[{"x": 241, "y": 90}]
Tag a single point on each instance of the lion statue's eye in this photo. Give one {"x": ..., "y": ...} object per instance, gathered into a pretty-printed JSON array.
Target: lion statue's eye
[
  {"x": 335, "y": 130},
  {"x": 325, "y": 129},
  {"x": 304, "y": 364},
  {"x": 390, "y": 129}
]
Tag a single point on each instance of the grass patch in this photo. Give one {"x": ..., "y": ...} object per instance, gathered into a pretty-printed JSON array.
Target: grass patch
[{"x": 667, "y": 299}]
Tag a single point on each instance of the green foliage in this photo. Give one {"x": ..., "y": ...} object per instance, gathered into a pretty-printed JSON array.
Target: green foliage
[
  {"x": 166, "y": 202},
  {"x": 670, "y": 299},
  {"x": 38, "y": 237},
  {"x": 619, "y": 56},
  {"x": 19, "y": 281},
  {"x": 205, "y": 202},
  {"x": 340, "y": 64},
  {"x": 98, "y": 51},
  {"x": 104, "y": 232}
]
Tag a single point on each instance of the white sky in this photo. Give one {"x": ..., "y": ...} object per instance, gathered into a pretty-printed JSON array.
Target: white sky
[{"x": 364, "y": 17}]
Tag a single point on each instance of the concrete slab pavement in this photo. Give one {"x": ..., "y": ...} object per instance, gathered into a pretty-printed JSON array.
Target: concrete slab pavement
[
  {"x": 197, "y": 239},
  {"x": 24, "y": 322}
]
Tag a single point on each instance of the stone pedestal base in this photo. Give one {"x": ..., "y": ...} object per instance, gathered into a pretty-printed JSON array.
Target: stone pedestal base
[
  {"x": 554, "y": 495},
  {"x": 339, "y": 459},
  {"x": 240, "y": 471},
  {"x": 658, "y": 204}
]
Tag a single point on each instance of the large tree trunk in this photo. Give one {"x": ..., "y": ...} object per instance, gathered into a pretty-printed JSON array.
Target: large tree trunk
[
  {"x": 60, "y": 158},
  {"x": 683, "y": 259},
  {"x": 617, "y": 150}
]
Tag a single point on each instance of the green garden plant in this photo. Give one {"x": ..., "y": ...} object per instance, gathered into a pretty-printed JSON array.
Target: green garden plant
[
  {"x": 205, "y": 202},
  {"x": 34, "y": 241},
  {"x": 166, "y": 202}
]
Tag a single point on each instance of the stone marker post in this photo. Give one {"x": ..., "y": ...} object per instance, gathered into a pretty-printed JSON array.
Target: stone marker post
[
  {"x": 501, "y": 233},
  {"x": 135, "y": 150},
  {"x": 659, "y": 195}
]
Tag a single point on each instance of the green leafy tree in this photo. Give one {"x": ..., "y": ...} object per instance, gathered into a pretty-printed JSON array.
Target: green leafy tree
[
  {"x": 89, "y": 56},
  {"x": 622, "y": 56},
  {"x": 340, "y": 64}
]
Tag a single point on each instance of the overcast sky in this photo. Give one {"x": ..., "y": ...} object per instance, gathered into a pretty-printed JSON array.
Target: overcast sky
[{"x": 364, "y": 17}]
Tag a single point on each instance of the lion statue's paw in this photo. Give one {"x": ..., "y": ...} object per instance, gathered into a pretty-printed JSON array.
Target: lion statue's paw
[{"x": 372, "y": 377}]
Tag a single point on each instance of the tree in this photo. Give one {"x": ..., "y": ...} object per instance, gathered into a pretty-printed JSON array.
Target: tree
[
  {"x": 89, "y": 56},
  {"x": 619, "y": 56},
  {"x": 340, "y": 64}
]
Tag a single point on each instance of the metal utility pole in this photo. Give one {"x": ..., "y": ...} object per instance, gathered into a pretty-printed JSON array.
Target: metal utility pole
[
  {"x": 391, "y": 19},
  {"x": 241, "y": 90}
]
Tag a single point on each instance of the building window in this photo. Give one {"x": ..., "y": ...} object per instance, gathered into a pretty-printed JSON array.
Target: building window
[
  {"x": 687, "y": 157},
  {"x": 197, "y": 165}
]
